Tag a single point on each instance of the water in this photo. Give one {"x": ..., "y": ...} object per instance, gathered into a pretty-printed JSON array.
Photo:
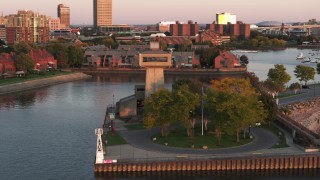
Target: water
[
  {"x": 261, "y": 62},
  {"x": 48, "y": 133}
]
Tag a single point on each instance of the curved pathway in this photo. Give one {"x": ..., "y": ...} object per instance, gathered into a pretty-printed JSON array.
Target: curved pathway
[{"x": 141, "y": 139}]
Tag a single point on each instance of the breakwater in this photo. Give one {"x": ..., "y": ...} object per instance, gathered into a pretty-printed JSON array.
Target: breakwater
[
  {"x": 32, "y": 84},
  {"x": 219, "y": 164}
]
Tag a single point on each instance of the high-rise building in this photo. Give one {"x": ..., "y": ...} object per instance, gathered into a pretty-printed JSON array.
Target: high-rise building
[
  {"x": 27, "y": 26},
  {"x": 64, "y": 15},
  {"x": 102, "y": 13}
]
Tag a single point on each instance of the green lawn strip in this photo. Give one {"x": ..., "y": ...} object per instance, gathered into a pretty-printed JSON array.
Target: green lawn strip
[
  {"x": 282, "y": 143},
  {"x": 138, "y": 126},
  {"x": 116, "y": 139},
  {"x": 281, "y": 96},
  {"x": 30, "y": 77},
  {"x": 179, "y": 138}
]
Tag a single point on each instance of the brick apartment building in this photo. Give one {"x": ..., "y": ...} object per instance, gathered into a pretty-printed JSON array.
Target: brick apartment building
[
  {"x": 27, "y": 26},
  {"x": 179, "y": 29},
  {"x": 238, "y": 30}
]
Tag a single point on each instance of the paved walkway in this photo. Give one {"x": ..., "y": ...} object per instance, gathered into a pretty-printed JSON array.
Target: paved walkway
[{"x": 140, "y": 146}]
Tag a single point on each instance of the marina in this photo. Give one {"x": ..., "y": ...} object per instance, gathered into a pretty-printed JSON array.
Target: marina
[{"x": 54, "y": 127}]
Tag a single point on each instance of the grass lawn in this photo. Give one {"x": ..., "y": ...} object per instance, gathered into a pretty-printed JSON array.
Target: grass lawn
[
  {"x": 290, "y": 95},
  {"x": 179, "y": 138},
  {"x": 282, "y": 143},
  {"x": 116, "y": 139},
  {"x": 30, "y": 77},
  {"x": 138, "y": 126}
]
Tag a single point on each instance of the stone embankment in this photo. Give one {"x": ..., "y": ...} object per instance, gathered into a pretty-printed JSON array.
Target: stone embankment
[
  {"x": 32, "y": 84},
  {"x": 307, "y": 114}
]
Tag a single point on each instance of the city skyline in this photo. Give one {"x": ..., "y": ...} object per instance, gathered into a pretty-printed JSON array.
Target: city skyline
[{"x": 149, "y": 12}]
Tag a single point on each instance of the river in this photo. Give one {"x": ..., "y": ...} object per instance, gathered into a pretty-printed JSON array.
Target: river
[{"x": 48, "y": 133}]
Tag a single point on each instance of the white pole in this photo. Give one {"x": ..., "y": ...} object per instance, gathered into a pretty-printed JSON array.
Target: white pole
[{"x": 202, "y": 109}]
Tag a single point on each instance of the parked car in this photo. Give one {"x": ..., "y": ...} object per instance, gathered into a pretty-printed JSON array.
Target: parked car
[{"x": 305, "y": 87}]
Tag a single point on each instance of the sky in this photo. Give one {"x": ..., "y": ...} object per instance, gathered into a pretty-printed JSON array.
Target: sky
[{"x": 153, "y": 11}]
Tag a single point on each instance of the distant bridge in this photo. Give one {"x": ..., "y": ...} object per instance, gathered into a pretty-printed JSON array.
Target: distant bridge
[{"x": 286, "y": 27}]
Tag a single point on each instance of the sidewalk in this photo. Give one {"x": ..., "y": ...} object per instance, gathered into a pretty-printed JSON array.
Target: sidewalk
[{"x": 140, "y": 147}]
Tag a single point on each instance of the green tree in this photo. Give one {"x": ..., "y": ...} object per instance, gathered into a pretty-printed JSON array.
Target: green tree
[
  {"x": 22, "y": 47},
  {"x": 60, "y": 53},
  {"x": 237, "y": 103},
  {"x": 318, "y": 68},
  {"x": 24, "y": 62},
  {"x": 185, "y": 103},
  {"x": 75, "y": 56},
  {"x": 295, "y": 87},
  {"x": 304, "y": 73},
  {"x": 278, "y": 74},
  {"x": 186, "y": 44},
  {"x": 272, "y": 87},
  {"x": 158, "y": 111}
]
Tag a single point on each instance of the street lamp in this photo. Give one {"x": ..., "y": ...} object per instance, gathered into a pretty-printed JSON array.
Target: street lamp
[{"x": 202, "y": 110}]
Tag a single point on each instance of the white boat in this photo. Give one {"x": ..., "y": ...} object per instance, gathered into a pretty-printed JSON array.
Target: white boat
[
  {"x": 306, "y": 59},
  {"x": 315, "y": 60},
  {"x": 300, "y": 56}
]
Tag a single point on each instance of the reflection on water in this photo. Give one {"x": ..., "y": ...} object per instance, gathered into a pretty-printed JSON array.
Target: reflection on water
[
  {"x": 23, "y": 100},
  {"x": 206, "y": 175}
]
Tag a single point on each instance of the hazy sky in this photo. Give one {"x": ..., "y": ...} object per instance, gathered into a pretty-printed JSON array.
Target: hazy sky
[{"x": 153, "y": 11}]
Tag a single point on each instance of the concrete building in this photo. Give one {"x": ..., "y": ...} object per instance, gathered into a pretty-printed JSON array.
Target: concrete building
[
  {"x": 54, "y": 24},
  {"x": 226, "y": 18},
  {"x": 64, "y": 16},
  {"x": 3, "y": 32},
  {"x": 179, "y": 29},
  {"x": 102, "y": 13},
  {"x": 27, "y": 26},
  {"x": 164, "y": 26}
]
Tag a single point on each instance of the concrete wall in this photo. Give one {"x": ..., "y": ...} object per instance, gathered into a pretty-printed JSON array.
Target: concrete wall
[{"x": 41, "y": 82}]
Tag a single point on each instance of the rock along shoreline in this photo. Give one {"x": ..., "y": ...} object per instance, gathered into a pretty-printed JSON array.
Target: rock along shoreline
[{"x": 33, "y": 84}]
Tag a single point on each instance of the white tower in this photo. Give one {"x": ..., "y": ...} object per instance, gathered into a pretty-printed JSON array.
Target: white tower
[{"x": 99, "y": 153}]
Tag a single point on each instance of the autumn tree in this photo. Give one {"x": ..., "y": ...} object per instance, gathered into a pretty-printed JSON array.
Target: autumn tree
[{"x": 304, "y": 73}]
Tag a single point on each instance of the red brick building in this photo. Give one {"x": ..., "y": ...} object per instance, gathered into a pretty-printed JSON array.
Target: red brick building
[
  {"x": 190, "y": 29},
  {"x": 239, "y": 29},
  {"x": 226, "y": 60},
  {"x": 213, "y": 37}
]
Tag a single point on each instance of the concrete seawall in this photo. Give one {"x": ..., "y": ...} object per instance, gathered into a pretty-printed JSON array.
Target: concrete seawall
[
  {"x": 221, "y": 164},
  {"x": 32, "y": 84}
]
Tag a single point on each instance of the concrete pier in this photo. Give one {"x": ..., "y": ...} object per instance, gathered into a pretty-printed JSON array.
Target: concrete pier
[{"x": 243, "y": 163}]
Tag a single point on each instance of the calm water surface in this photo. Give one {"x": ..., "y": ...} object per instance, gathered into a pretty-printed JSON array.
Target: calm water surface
[{"x": 48, "y": 133}]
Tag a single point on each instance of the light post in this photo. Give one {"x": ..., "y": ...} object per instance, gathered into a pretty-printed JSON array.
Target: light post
[
  {"x": 202, "y": 110},
  {"x": 314, "y": 89}
]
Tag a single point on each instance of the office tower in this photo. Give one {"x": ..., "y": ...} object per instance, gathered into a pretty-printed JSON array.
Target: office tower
[
  {"x": 64, "y": 15},
  {"x": 102, "y": 13}
]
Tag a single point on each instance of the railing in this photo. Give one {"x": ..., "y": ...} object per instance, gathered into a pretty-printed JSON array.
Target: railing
[{"x": 312, "y": 135}]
